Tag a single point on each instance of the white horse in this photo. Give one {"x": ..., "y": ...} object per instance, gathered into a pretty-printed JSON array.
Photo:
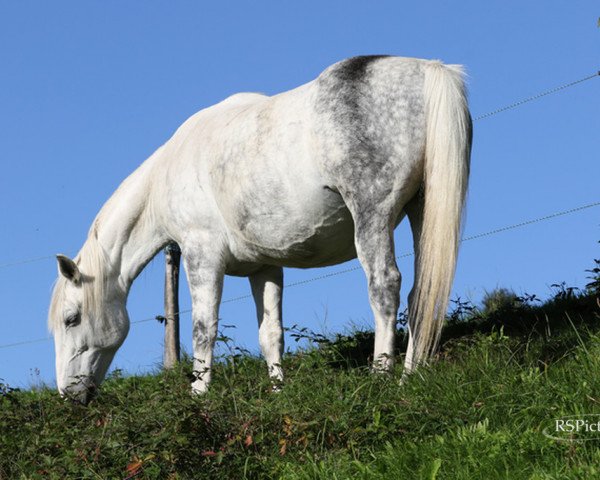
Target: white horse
[{"x": 311, "y": 177}]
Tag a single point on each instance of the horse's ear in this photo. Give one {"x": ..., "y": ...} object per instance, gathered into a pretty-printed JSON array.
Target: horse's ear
[{"x": 68, "y": 268}]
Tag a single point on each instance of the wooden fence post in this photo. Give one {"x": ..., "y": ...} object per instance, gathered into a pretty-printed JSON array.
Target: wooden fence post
[{"x": 172, "y": 261}]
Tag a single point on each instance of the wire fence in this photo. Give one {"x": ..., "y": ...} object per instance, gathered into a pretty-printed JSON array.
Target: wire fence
[
  {"x": 355, "y": 268},
  {"x": 537, "y": 96}
]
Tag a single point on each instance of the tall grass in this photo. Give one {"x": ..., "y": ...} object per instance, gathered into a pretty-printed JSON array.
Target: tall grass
[{"x": 479, "y": 410}]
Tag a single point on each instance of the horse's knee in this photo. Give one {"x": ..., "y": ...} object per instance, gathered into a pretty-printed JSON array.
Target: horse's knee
[
  {"x": 204, "y": 334},
  {"x": 270, "y": 336}
]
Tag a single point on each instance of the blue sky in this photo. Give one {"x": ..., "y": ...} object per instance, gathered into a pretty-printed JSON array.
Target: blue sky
[{"x": 89, "y": 90}]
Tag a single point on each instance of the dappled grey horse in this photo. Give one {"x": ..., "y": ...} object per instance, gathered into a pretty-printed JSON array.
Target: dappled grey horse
[{"x": 311, "y": 177}]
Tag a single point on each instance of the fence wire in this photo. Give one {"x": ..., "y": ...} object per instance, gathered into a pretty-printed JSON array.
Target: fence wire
[{"x": 537, "y": 96}]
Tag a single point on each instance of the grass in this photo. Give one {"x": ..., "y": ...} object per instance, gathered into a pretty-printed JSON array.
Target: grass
[{"x": 479, "y": 410}]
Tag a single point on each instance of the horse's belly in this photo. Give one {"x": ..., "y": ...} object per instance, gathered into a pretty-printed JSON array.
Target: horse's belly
[{"x": 315, "y": 232}]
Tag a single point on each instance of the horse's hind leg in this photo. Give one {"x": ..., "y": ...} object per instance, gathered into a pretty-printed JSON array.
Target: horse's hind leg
[
  {"x": 374, "y": 242},
  {"x": 267, "y": 289},
  {"x": 414, "y": 212},
  {"x": 205, "y": 274}
]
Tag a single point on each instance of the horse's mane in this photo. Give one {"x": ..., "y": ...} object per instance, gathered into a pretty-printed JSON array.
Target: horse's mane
[
  {"x": 92, "y": 262},
  {"x": 134, "y": 203}
]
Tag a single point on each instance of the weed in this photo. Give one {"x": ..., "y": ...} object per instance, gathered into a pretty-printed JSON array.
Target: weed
[{"x": 506, "y": 371}]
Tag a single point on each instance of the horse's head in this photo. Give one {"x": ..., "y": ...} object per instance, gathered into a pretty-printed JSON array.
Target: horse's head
[{"x": 89, "y": 322}]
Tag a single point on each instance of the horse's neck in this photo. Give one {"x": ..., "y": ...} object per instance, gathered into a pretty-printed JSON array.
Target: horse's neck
[{"x": 127, "y": 228}]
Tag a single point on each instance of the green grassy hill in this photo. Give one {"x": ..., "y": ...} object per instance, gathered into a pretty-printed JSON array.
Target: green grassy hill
[{"x": 505, "y": 373}]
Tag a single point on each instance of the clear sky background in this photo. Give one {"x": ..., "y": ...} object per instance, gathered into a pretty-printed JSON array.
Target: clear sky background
[{"x": 89, "y": 90}]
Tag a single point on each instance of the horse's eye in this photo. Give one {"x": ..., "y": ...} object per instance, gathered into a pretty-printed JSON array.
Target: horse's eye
[{"x": 72, "y": 320}]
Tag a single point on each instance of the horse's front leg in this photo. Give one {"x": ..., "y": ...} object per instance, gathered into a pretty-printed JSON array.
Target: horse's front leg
[
  {"x": 267, "y": 289},
  {"x": 205, "y": 274}
]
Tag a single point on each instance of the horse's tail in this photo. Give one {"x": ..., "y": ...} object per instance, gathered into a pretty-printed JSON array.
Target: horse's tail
[{"x": 446, "y": 172}]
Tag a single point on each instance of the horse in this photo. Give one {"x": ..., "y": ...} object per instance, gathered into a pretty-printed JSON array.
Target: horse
[{"x": 311, "y": 177}]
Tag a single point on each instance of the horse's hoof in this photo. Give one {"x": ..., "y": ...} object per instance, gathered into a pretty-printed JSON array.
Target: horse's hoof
[{"x": 199, "y": 387}]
